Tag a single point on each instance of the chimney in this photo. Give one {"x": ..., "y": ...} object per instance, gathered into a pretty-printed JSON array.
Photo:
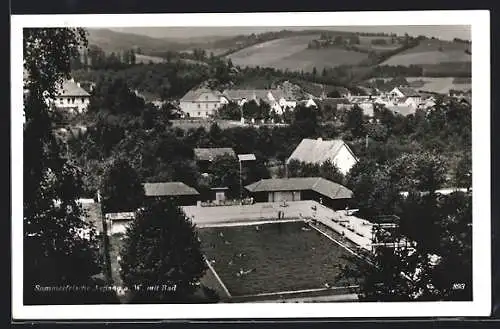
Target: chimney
[
  {"x": 320, "y": 139},
  {"x": 78, "y": 84}
]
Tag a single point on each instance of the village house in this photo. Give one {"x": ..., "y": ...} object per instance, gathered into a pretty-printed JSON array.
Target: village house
[
  {"x": 201, "y": 102},
  {"x": 406, "y": 96},
  {"x": 319, "y": 189},
  {"x": 318, "y": 151},
  {"x": 72, "y": 97},
  {"x": 183, "y": 194}
]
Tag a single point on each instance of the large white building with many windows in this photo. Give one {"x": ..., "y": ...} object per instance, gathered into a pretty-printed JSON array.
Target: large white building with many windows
[{"x": 72, "y": 97}]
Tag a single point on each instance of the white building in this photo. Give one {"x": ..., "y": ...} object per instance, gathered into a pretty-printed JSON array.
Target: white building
[
  {"x": 405, "y": 95},
  {"x": 72, "y": 97},
  {"x": 201, "y": 103},
  {"x": 319, "y": 151}
]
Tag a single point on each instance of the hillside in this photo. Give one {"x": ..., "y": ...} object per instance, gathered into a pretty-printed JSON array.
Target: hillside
[
  {"x": 113, "y": 41},
  {"x": 431, "y": 51},
  {"x": 291, "y": 53}
]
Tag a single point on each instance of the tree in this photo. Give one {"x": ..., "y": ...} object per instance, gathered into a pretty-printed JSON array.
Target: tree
[
  {"x": 161, "y": 248},
  {"x": 326, "y": 170},
  {"x": 305, "y": 120},
  {"x": 230, "y": 111},
  {"x": 250, "y": 109},
  {"x": 115, "y": 96},
  {"x": 373, "y": 192},
  {"x": 431, "y": 270},
  {"x": 225, "y": 172},
  {"x": 56, "y": 250},
  {"x": 423, "y": 171},
  {"x": 122, "y": 188},
  {"x": 355, "y": 122},
  {"x": 463, "y": 172}
]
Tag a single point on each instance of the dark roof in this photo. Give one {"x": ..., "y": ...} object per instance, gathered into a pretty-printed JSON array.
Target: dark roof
[
  {"x": 168, "y": 189},
  {"x": 320, "y": 185},
  {"x": 209, "y": 154},
  {"x": 317, "y": 150}
]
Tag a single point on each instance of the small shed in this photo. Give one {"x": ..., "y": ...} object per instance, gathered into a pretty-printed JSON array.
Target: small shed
[
  {"x": 117, "y": 223},
  {"x": 219, "y": 193}
]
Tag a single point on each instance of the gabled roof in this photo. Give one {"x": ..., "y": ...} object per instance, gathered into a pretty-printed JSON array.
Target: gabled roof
[
  {"x": 168, "y": 189},
  {"x": 408, "y": 92},
  {"x": 194, "y": 95},
  {"x": 320, "y": 185},
  {"x": 71, "y": 88},
  {"x": 209, "y": 154},
  {"x": 317, "y": 150}
]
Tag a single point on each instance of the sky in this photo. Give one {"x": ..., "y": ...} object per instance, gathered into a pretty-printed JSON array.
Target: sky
[{"x": 445, "y": 32}]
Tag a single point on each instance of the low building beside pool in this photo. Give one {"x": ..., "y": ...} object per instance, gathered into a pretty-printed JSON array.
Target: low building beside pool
[
  {"x": 183, "y": 194},
  {"x": 329, "y": 193}
]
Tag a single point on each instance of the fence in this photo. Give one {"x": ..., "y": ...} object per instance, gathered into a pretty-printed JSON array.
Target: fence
[{"x": 246, "y": 201}]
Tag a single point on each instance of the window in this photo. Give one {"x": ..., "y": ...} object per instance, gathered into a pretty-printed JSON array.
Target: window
[
  {"x": 206, "y": 106},
  {"x": 83, "y": 99},
  {"x": 206, "y": 96},
  {"x": 199, "y": 105},
  {"x": 199, "y": 114},
  {"x": 69, "y": 100}
]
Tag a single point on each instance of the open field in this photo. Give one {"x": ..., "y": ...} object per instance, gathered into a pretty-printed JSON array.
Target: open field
[
  {"x": 292, "y": 54},
  {"x": 283, "y": 256},
  {"x": 431, "y": 52},
  {"x": 146, "y": 59},
  {"x": 435, "y": 85}
]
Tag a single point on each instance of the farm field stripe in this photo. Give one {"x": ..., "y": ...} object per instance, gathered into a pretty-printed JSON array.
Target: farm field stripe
[
  {"x": 291, "y": 292},
  {"x": 218, "y": 278}
]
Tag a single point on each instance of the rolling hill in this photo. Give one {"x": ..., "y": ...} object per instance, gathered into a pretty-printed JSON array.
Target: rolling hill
[
  {"x": 431, "y": 51},
  {"x": 291, "y": 53}
]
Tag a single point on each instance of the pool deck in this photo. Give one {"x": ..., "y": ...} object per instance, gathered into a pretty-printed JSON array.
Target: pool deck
[{"x": 353, "y": 228}]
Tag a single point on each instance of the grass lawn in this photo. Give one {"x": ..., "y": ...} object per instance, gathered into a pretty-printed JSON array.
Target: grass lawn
[{"x": 284, "y": 257}]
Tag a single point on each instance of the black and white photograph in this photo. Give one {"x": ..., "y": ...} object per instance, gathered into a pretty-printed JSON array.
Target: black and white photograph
[{"x": 256, "y": 165}]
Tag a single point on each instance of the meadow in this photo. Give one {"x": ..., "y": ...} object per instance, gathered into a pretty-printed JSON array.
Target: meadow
[
  {"x": 431, "y": 52},
  {"x": 292, "y": 54}
]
